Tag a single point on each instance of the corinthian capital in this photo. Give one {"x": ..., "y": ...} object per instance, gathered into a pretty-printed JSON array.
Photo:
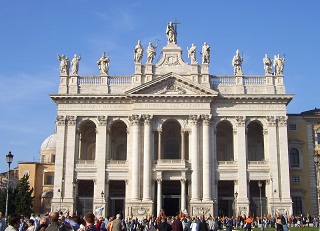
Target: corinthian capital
[
  {"x": 240, "y": 120},
  {"x": 194, "y": 119},
  {"x": 206, "y": 118},
  {"x": 134, "y": 119},
  {"x": 60, "y": 120},
  {"x": 282, "y": 120},
  {"x": 102, "y": 120},
  {"x": 71, "y": 120},
  {"x": 147, "y": 118}
]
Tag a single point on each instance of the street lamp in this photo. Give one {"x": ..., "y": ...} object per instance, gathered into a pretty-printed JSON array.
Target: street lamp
[
  {"x": 260, "y": 186},
  {"x": 235, "y": 204},
  {"x": 102, "y": 194},
  {"x": 59, "y": 191},
  {"x": 9, "y": 158},
  {"x": 316, "y": 158}
]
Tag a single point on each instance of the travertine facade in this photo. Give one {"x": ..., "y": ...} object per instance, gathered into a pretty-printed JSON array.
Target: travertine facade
[{"x": 174, "y": 137}]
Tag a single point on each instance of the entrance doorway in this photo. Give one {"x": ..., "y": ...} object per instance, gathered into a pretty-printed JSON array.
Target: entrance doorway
[
  {"x": 85, "y": 197},
  {"x": 116, "y": 201},
  {"x": 171, "y": 191}
]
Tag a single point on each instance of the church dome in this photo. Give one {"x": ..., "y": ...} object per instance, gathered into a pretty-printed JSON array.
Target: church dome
[{"x": 49, "y": 143}]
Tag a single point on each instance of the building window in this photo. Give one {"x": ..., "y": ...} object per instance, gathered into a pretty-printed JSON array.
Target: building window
[
  {"x": 171, "y": 149},
  {"x": 297, "y": 205},
  {"x": 48, "y": 178},
  {"x": 295, "y": 179},
  {"x": 318, "y": 138},
  {"x": 292, "y": 127},
  {"x": 294, "y": 158},
  {"x": 53, "y": 158}
]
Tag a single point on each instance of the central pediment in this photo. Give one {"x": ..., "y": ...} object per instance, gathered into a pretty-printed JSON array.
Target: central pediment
[{"x": 172, "y": 84}]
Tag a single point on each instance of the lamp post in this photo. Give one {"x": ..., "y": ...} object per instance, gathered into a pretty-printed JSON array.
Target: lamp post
[
  {"x": 316, "y": 158},
  {"x": 102, "y": 195},
  {"x": 272, "y": 209},
  {"x": 261, "y": 214},
  {"x": 235, "y": 208},
  {"x": 9, "y": 158},
  {"x": 59, "y": 191}
]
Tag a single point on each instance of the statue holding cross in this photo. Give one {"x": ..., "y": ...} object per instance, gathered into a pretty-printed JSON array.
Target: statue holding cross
[{"x": 171, "y": 32}]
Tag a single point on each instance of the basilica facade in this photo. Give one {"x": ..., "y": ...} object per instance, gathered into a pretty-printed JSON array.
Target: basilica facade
[{"x": 172, "y": 137}]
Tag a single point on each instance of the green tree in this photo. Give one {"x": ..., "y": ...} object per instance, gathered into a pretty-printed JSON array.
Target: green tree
[
  {"x": 24, "y": 198},
  {"x": 3, "y": 197}
]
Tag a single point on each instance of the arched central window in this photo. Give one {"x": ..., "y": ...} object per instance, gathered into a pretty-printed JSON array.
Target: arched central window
[{"x": 171, "y": 149}]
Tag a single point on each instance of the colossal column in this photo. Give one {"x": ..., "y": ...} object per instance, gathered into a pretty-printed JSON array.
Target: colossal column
[
  {"x": 241, "y": 152},
  {"x": 59, "y": 168},
  {"x": 70, "y": 159},
  {"x": 101, "y": 160},
  {"x": 194, "y": 158},
  {"x": 284, "y": 186},
  {"x": 135, "y": 183},
  {"x": 159, "y": 195},
  {"x": 183, "y": 194},
  {"x": 206, "y": 157},
  {"x": 147, "y": 158}
]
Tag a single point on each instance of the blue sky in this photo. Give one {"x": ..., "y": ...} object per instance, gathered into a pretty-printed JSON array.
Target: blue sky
[{"x": 33, "y": 32}]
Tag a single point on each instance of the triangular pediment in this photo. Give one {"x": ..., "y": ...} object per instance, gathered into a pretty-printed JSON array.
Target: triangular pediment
[{"x": 172, "y": 84}]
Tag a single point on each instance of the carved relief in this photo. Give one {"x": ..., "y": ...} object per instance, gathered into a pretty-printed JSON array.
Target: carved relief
[
  {"x": 197, "y": 211},
  {"x": 171, "y": 60},
  {"x": 60, "y": 120},
  {"x": 174, "y": 88},
  {"x": 139, "y": 211}
]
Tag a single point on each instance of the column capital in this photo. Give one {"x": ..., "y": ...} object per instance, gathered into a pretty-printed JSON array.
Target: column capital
[
  {"x": 271, "y": 120},
  {"x": 240, "y": 120},
  {"x": 102, "y": 120},
  {"x": 147, "y": 118},
  {"x": 206, "y": 118},
  {"x": 282, "y": 120},
  {"x": 193, "y": 119},
  {"x": 71, "y": 120},
  {"x": 60, "y": 120},
  {"x": 134, "y": 119}
]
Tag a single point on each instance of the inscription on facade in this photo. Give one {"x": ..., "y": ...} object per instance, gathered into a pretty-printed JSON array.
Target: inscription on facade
[
  {"x": 172, "y": 106},
  {"x": 94, "y": 106},
  {"x": 250, "y": 107}
]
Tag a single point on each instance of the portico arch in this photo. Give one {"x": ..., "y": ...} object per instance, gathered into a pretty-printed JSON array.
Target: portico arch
[
  {"x": 87, "y": 140},
  {"x": 255, "y": 141},
  {"x": 224, "y": 141},
  {"x": 118, "y": 135}
]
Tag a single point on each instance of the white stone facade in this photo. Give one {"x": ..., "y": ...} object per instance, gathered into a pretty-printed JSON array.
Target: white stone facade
[{"x": 174, "y": 137}]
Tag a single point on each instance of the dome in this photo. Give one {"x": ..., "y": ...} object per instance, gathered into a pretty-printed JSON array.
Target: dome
[{"x": 49, "y": 143}]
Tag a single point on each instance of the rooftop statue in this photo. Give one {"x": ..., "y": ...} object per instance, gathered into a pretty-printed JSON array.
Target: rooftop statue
[
  {"x": 75, "y": 64},
  {"x": 138, "y": 53},
  {"x": 278, "y": 64},
  {"x": 64, "y": 64},
  {"x": 267, "y": 62},
  {"x": 103, "y": 64},
  {"x": 192, "y": 54},
  {"x": 171, "y": 33},
  {"x": 236, "y": 63},
  {"x": 205, "y": 53},
  {"x": 151, "y": 52}
]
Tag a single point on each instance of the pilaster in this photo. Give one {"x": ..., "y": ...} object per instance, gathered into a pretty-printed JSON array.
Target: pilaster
[
  {"x": 73, "y": 84},
  {"x": 239, "y": 84}
]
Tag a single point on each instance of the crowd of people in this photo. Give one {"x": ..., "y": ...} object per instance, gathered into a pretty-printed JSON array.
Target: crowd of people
[{"x": 63, "y": 222}]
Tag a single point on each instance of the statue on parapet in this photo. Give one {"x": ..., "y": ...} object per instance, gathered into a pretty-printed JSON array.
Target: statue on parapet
[
  {"x": 192, "y": 54},
  {"x": 205, "y": 53},
  {"x": 75, "y": 64},
  {"x": 103, "y": 64},
  {"x": 151, "y": 52},
  {"x": 64, "y": 64},
  {"x": 138, "y": 52},
  {"x": 278, "y": 64},
  {"x": 237, "y": 63},
  {"x": 171, "y": 33},
  {"x": 267, "y": 62}
]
